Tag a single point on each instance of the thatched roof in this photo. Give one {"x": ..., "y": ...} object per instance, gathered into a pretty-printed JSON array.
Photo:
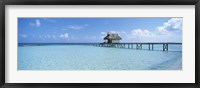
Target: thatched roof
[{"x": 112, "y": 36}]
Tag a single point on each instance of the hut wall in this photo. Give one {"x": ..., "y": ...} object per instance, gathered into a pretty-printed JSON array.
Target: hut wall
[{"x": 115, "y": 41}]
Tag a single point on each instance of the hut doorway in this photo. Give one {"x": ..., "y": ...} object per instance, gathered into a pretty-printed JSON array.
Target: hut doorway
[{"x": 109, "y": 40}]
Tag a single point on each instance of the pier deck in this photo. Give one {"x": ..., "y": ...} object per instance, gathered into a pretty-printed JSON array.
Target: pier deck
[{"x": 138, "y": 45}]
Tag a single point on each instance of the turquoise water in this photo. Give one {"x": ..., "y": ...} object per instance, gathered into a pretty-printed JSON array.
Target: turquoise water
[{"x": 86, "y": 57}]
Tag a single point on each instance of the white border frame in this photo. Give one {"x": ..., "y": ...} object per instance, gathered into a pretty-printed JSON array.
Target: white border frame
[{"x": 186, "y": 75}]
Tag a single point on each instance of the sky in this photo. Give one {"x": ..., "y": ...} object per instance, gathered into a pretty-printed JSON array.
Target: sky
[{"x": 93, "y": 30}]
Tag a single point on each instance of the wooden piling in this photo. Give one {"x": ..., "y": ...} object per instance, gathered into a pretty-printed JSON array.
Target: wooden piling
[
  {"x": 130, "y": 45},
  {"x": 165, "y": 47}
]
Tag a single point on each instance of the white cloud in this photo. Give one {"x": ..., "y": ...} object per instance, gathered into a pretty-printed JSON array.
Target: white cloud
[
  {"x": 48, "y": 36},
  {"x": 118, "y": 32},
  {"x": 65, "y": 29},
  {"x": 37, "y": 23},
  {"x": 174, "y": 24},
  {"x": 65, "y": 35},
  {"x": 86, "y": 25},
  {"x": 49, "y": 20},
  {"x": 163, "y": 33},
  {"x": 24, "y": 36},
  {"x": 53, "y": 36},
  {"x": 140, "y": 32},
  {"x": 103, "y": 33},
  {"x": 61, "y": 35},
  {"x": 114, "y": 31},
  {"x": 76, "y": 27}
]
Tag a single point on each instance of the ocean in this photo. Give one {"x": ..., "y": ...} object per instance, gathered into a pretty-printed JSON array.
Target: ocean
[{"x": 85, "y": 56}]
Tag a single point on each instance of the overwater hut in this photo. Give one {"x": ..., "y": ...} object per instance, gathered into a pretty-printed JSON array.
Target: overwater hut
[{"x": 112, "y": 38}]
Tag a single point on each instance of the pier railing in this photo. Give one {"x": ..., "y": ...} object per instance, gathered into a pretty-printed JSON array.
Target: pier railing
[{"x": 138, "y": 45}]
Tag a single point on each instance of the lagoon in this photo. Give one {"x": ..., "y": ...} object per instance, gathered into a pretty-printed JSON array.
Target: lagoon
[{"x": 87, "y": 57}]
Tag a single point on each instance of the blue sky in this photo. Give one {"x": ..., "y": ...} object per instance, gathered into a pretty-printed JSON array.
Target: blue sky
[{"x": 90, "y": 30}]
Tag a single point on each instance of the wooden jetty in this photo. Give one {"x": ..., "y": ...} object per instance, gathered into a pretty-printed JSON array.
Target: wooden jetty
[
  {"x": 138, "y": 45},
  {"x": 112, "y": 41}
]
